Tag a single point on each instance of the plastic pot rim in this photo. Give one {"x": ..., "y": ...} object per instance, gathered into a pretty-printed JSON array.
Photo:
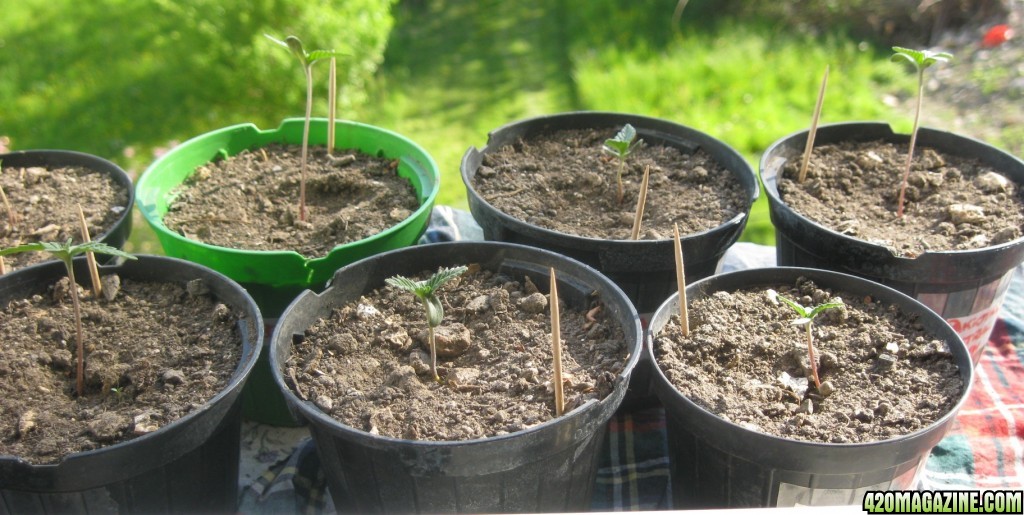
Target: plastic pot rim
[
  {"x": 157, "y": 223},
  {"x": 770, "y": 182},
  {"x": 116, "y": 173},
  {"x": 586, "y": 242},
  {"x": 889, "y": 295},
  {"x": 249, "y": 355},
  {"x": 311, "y": 411}
]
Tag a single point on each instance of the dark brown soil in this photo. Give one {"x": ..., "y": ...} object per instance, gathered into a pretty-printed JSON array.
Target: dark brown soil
[
  {"x": 368, "y": 364},
  {"x": 745, "y": 362},
  {"x": 46, "y": 204},
  {"x": 153, "y": 354},
  {"x": 952, "y": 203},
  {"x": 562, "y": 181},
  {"x": 250, "y": 200}
]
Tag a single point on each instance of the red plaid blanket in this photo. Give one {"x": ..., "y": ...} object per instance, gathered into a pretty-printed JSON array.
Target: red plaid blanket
[{"x": 984, "y": 449}]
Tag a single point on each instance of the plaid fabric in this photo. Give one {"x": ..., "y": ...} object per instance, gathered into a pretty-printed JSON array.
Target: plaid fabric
[
  {"x": 985, "y": 448},
  {"x": 633, "y": 473}
]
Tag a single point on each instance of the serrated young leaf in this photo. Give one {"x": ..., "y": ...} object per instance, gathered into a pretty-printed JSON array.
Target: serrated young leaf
[
  {"x": 317, "y": 55},
  {"x": 403, "y": 283},
  {"x": 800, "y": 310},
  {"x": 443, "y": 276},
  {"x": 919, "y": 58},
  {"x": 27, "y": 247},
  {"x": 838, "y": 303}
]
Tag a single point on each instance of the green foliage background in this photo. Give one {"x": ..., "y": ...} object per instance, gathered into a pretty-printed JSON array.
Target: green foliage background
[
  {"x": 125, "y": 78},
  {"x": 101, "y": 75}
]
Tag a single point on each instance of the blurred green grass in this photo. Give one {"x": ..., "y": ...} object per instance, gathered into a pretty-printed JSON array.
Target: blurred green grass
[{"x": 452, "y": 71}]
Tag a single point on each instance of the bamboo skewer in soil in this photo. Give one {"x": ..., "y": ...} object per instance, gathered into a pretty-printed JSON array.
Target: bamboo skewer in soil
[
  {"x": 556, "y": 348},
  {"x": 3, "y": 266},
  {"x": 640, "y": 204},
  {"x": 90, "y": 258},
  {"x": 814, "y": 128},
  {"x": 684, "y": 316},
  {"x": 12, "y": 218},
  {"x": 332, "y": 104}
]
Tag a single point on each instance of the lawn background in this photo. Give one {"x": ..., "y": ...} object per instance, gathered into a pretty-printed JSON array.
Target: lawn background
[{"x": 126, "y": 79}]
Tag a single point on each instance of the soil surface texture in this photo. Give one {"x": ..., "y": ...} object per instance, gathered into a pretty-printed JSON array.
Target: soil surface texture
[
  {"x": 564, "y": 182},
  {"x": 45, "y": 203},
  {"x": 951, "y": 203},
  {"x": 745, "y": 362},
  {"x": 368, "y": 364},
  {"x": 153, "y": 354},
  {"x": 250, "y": 200}
]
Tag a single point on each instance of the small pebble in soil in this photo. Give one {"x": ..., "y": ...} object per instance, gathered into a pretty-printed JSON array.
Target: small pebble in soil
[
  {"x": 325, "y": 403},
  {"x": 886, "y": 362},
  {"x": 966, "y": 214},
  {"x": 826, "y": 389},
  {"x": 533, "y": 303},
  {"x": 110, "y": 286},
  {"x": 173, "y": 377},
  {"x": 26, "y": 422},
  {"x": 992, "y": 182},
  {"x": 197, "y": 287},
  {"x": 806, "y": 407},
  {"x": 451, "y": 340},
  {"x": 477, "y": 304}
]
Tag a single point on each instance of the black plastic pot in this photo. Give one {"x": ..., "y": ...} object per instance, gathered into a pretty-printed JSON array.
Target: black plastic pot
[
  {"x": 117, "y": 234},
  {"x": 644, "y": 269},
  {"x": 550, "y": 467},
  {"x": 966, "y": 287},
  {"x": 188, "y": 466},
  {"x": 715, "y": 463}
]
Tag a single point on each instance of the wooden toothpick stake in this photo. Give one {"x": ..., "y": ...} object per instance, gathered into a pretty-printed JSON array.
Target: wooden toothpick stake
[
  {"x": 814, "y": 128},
  {"x": 94, "y": 272},
  {"x": 640, "y": 204},
  {"x": 332, "y": 101},
  {"x": 684, "y": 317},
  {"x": 12, "y": 219},
  {"x": 3, "y": 266},
  {"x": 556, "y": 347}
]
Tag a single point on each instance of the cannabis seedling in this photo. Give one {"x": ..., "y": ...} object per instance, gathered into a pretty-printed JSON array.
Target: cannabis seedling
[
  {"x": 65, "y": 252},
  {"x": 426, "y": 291},
  {"x": 307, "y": 59},
  {"x": 921, "y": 59},
  {"x": 806, "y": 317},
  {"x": 621, "y": 146}
]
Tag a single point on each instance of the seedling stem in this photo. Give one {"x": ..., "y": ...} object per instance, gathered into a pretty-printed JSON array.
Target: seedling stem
[
  {"x": 307, "y": 59},
  {"x": 806, "y": 318},
  {"x": 426, "y": 291},
  {"x": 66, "y": 252},
  {"x": 921, "y": 59},
  {"x": 621, "y": 146}
]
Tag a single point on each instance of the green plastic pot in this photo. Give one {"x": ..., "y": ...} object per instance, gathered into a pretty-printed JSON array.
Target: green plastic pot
[{"x": 274, "y": 278}]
